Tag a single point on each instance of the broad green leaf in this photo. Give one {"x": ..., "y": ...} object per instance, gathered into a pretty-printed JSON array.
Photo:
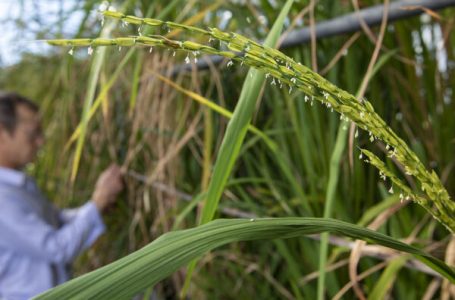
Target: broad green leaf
[{"x": 126, "y": 277}]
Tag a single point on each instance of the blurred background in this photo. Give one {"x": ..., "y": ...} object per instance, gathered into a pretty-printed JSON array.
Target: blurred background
[{"x": 152, "y": 126}]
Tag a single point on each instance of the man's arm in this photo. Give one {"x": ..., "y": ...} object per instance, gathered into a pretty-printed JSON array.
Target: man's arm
[
  {"x": 67, "y": 216},
  {"x": 109, "y": 184},
  {"x": 24, "y": 231}
]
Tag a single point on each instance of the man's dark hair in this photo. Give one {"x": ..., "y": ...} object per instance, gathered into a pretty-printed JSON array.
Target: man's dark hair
[{"x": 9, "y": 102}]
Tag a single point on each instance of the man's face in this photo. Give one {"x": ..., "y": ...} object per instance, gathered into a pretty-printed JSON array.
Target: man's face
[{"x": 20, "y": 147}]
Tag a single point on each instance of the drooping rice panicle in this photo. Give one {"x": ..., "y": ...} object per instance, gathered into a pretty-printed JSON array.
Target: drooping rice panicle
[{"x": 283, "y": 68}]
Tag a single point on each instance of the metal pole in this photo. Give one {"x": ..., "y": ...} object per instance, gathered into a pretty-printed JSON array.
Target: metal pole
[{"x": 342, "y": 25}]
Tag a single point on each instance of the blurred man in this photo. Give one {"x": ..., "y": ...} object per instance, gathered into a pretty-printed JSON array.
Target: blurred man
[{"x": 38, "y": 242}]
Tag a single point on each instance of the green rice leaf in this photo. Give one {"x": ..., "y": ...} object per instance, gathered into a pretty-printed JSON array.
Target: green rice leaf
[
  {"x": 238, "y": 126},
  {"x": 156, "y": 261},
  {"x": 235, "y": 133}
]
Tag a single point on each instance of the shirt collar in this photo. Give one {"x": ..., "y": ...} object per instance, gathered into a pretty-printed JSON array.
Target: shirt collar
[{"x": 12, "y": 177}]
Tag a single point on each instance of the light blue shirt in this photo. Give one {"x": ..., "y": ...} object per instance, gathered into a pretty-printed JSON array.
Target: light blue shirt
[{"x": 37, "y": 241}]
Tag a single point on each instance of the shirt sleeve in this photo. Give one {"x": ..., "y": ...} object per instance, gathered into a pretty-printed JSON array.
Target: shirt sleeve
[
  {"x": 23, "y": 231},
  {"x": 89, "y": 209}
]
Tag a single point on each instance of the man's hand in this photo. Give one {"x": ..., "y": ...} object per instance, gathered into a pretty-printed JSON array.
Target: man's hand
[{"x": 108, "y": 186}]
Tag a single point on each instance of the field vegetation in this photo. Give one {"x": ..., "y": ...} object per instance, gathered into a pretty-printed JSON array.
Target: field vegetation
[{"x": 306, "y": 153}]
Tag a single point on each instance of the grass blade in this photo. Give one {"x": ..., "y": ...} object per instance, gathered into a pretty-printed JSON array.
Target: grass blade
[
  {"x": 385, "y": 282},
  {"x": 237, "y": 127},
  {"x": 340, "y": 144},
  {"x": 235, "y": 134},
  {"x": 147, "y": 266},
  {"x": 89, "y": 96}
]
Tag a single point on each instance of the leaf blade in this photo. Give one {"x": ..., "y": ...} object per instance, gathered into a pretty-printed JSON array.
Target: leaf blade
[{"x": 159, "y": 259}]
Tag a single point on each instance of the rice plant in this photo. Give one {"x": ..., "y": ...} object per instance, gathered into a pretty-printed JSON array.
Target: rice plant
[{"x": 285, "y": 70}]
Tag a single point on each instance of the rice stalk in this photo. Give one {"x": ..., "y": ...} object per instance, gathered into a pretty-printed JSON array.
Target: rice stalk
[
  {"x": 337, "y": 154},
  {"x": 98, "y": 100},
  {"x": 283, "y": 162},
  {"x": 95, "y": 70},
  {"x": 385, "y": 283},
  {"x": 135, "y": 83},
  {"x": 215, "y": 107}
]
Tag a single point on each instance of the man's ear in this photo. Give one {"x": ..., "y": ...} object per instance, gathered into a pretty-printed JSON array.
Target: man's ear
[
  {"x": 2, "y": 134},
  {"x": 5, "y": 135}
]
